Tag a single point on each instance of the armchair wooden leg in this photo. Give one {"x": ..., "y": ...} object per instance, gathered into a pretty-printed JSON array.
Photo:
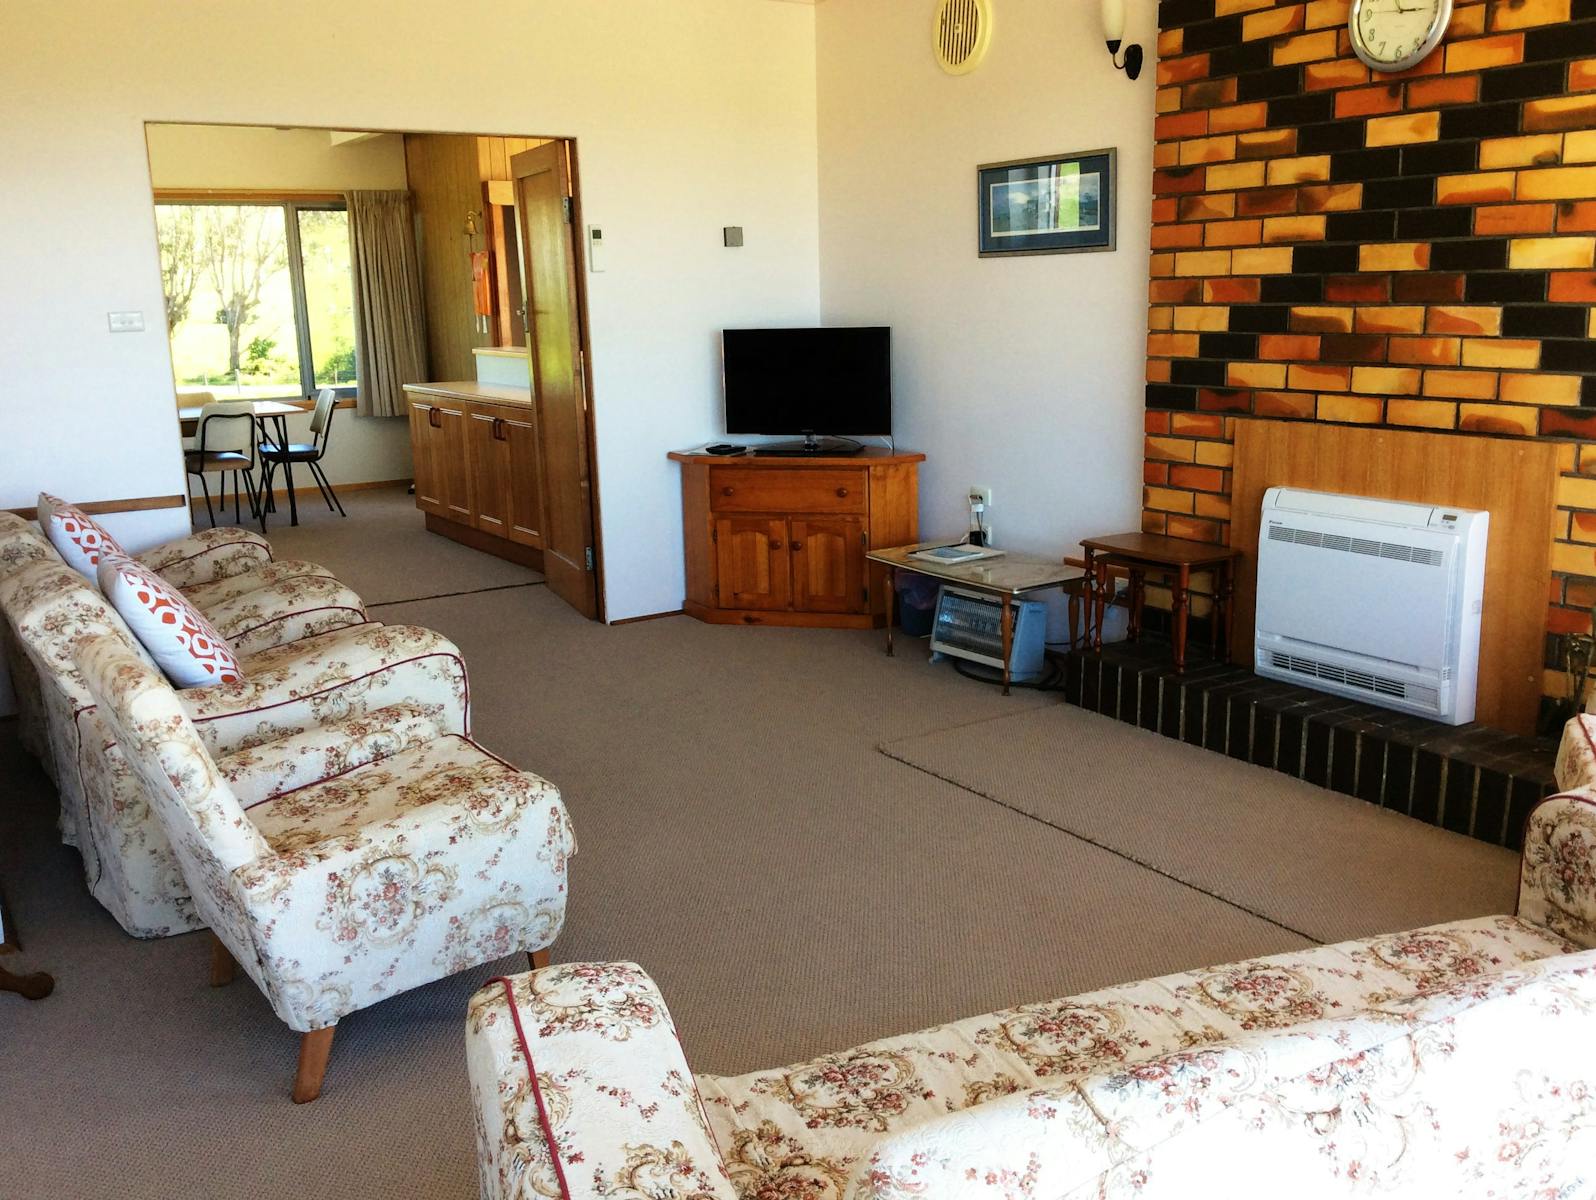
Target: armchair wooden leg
[
  {"x": 538, "y": 958},
  {"x": 223, "y": 968},
  {"x": 30, "y": 987},
  {"x": 314, "y": 1047}
]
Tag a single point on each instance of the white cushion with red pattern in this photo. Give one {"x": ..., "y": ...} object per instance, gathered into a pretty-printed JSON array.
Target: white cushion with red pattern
[
  {"x": 77, "y": 537},
  {"x": 183, "y": 643}
]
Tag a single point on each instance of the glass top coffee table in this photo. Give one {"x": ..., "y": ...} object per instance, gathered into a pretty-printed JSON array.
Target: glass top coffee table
[{"x": 1008, "y": 577}]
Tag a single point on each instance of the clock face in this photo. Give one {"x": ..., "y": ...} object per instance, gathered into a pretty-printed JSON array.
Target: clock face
[{"x": 1391, "y": 35}]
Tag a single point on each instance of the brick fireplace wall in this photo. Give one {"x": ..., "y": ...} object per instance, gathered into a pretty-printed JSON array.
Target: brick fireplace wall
[{"x": 1415, "y": 250}]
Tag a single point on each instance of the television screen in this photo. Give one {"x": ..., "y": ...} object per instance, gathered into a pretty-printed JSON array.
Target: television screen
[{"x": 809, "y": 381}]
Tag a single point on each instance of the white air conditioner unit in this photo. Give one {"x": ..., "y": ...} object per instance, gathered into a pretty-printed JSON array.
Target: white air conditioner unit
[{"x": 1375, "y": 599}]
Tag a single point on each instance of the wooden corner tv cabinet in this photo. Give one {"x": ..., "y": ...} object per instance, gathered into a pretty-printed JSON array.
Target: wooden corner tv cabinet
[{"x": 782, "y": 541}]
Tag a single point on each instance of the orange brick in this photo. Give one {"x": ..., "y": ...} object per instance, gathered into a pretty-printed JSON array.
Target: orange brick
[
  {"x": 1171, "y": 42},
  {"x": 1394, "y": 256},
  {"x": 1426, "y": 414},
  {"x": 1502, "y": 219},
  {"x": 1165, "y": 210},
  {"x": 1579, "y": 146},
  {"x": 1158, "y": 370},
  {"x": 1203, "y": 425},
  {"x": 1306, "y": 47},
  {"x": 1320, "y": 319},
  {"x": 1393, "y": 319},
  {"x": 1215, "y": 454},
  {"x": 1557, "y": 183},
  {"x": 1582, "y": 75},
  {"x": 1178, "y": 182},
  {"x": 1576, "y": 216},
  {"x": 1425, "y": 351},
  {"x": 1155, "y": 422},
  {"x": 1386, "y": 381},
  {"x": 1370, "y": 101},
  {"x": 1271, "y": 22},
  {"x": 1443, "y": 89},
  {"x": 1573, "y": 560},
  {"x": 1474, "y": 320},
  {"x": 1265, "y": 260},
  {"x": 1267, "y": 202},
  {"x": 1255, "y": 375},
  {"x": 1212, "y": 504},
  {"x": 1231, "y": 290},
  {"x": 1199, "y": 479},
  {"x": 1484, "y": 188},
  {"x": 1194, "y": 530},
  {"x": 1293, "y": 229},
  {"x": 1536, "y": 149},
  {"x": 1202, "y": 262},
  {"x": 1208, "y": 150},
  {"x": 1402, "y": 130},
  {"x": 1522, "y": 14},
  {"x": 1523, "y": 354},
  {"x": 1331, "y": 197},
  {"x": 1206, "y": 207},
  {"x": 1175, "y": 291},
  {"x": 1578, "y": 287},
  {"x": 1156, "y": 473},
  {"x": 1231, "y": 233},
  {"x": 1319, "y": 377},
  {"x": 1166, "y": 500},
  {"x": 1312, "y": 168},
  {"x": 1161, "y": 264},
  {"x": 1169, "y": 449},
  {"x": 1172, "y": 345},
  {"x": 1238, "y": 118},
  {"x": 1541, "y": 389},
  {"x": 1461, "y": 385},
  {"x": 1153, "y": 522},
  {"x": 1223, "y": 400},
  {"x": 1202, "y": 318},
  {"x": 1467, "y": 22},
  {"x": 1288, "y": 346},
  {"x": 1266, "y": 143},
  {"x": 1283, "y": 404},
  {"x": 1559, "y": 112},
  {"x": 1322, "y": 14},
  {"x": 1431, "y": 64},
  {"x": 1544, "y": 254},
  {"x": 1230, "y": 8},
  {"x": 1179, "y": 70},
  {"x": 1166, "y": 100},
  {"x": 1498, "y": 418},
  {"x": 1359, "y": 410},
  {"x": 1166, "y": 154},
  {"x": 1337, "y": 73},
  {"x": 1229, "y": 176},
  {"x": 1180, "y": 125},
  {"x": 1176, "y": 237},
  {"x": 1160, "y": 318},
  {"x": 1208, "y": 93},
  {"x": 1499, "y": 51}
]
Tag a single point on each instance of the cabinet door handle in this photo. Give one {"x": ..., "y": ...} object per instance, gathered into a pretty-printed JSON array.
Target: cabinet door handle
[
  {"x": 726, "y": 491},
  {"x": 774, "y": 544},
  {"x": 498, "y": 429},
  {"x": 797, "y": 545},
  {"x": 434, "y": 418},
  {"x": 842, "y": 492}
]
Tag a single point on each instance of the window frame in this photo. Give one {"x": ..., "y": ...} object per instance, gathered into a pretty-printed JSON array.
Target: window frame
[{"x": 291, "y": 204}]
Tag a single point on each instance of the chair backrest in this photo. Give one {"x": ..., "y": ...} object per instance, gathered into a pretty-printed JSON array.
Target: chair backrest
[
  {"x": 321, "y": 417},
  {"x": 227, "y": 426},
  {"x": 201, "y": 816}
]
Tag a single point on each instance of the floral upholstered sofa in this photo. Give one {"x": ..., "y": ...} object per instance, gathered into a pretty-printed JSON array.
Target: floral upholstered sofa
[
  {"x": 1457, "y": 1060},
  {"x": 327, "y": 669}
]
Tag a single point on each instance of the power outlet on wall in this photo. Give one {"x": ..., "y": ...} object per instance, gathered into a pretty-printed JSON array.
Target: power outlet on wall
[{"x": 981, "y": 496}]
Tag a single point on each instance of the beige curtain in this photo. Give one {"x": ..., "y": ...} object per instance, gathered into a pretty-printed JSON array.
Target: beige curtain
[{"x": 390, "y": 342}]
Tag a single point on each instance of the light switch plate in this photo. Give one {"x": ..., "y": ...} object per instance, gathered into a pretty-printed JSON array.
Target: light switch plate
[
  {"x": 126, "y": 322},
  {"x": 732, "y": 235}
]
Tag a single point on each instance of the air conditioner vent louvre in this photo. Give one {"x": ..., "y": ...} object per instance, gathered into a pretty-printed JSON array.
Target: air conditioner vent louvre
[
  {"x": 1375, "y": 685},
  {"x": 1397, "y": 551}
]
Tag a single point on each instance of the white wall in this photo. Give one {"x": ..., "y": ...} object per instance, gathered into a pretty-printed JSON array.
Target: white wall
[
  {"x": 688, "y": 117},
  {"x": 1022, "y": 374}
]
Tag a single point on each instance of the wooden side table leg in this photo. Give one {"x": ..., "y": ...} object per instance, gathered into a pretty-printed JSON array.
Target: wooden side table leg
[
  {"x": 1095, "y": 590},
  {"x": 1074, "y": 602},
  {"x": 1138, "y": 597},
  {"x": 1227, "y": 587},
  {"x": 1008, "y": 639},
  {"x": 30, "y": 987},
  {"x": 1179, "y": 601},
  {"x": 892, "y": 604}
]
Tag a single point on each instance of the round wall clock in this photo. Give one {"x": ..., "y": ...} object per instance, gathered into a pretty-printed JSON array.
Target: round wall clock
[{"x": 1392, "y": 35}]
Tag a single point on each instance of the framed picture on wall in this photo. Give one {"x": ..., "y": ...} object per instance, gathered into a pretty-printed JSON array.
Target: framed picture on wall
[{"x": 1055, "y": 205}]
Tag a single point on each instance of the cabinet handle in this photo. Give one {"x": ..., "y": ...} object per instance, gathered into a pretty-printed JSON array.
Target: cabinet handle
[
  {"x": 726, "y": 491},
  {"x": 797, "y": 545},
  {"x": 434, "y": 418},
  {"x": 774, "y": 544},
  {"x": 842, "y": 492},
  {"x": 498, "y": 429}
]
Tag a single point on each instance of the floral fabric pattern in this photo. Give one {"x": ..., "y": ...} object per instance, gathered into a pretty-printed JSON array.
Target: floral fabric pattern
[
  {"x": 335, "y": 896},
  {"x": 1576, "y": 755},
  {"x": 1557, "y": 875},
  {"x": 208, "y": 555}
]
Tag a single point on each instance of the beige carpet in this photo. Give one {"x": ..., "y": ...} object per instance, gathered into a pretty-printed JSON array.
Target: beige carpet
[{"x": 793, "y": 889}]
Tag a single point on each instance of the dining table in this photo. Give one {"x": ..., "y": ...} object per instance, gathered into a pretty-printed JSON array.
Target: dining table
[{"x": 275, "y": 411}]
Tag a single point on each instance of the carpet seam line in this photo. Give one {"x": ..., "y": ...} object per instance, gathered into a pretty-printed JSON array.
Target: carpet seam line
[{"x": 501, "y": 587}]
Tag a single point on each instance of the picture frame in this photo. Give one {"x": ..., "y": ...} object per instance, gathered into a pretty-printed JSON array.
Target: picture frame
[{"x": 1058, "y": 204}]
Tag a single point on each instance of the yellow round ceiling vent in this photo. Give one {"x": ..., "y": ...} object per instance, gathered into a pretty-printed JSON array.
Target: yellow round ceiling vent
[{"x": 961, "y": 30}]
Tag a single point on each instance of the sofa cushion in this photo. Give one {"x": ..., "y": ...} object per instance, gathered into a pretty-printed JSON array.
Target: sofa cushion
[
  {"x": 186, "y": 646},
  {"x": 77, "y": 537}
]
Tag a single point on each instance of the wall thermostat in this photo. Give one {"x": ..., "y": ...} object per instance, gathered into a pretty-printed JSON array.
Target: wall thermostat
[{"x": 595, "y": 248}]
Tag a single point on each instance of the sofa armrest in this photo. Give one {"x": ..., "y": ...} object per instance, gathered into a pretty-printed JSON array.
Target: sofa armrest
[
  {"x": 207, "y": 595},
  {"x": 288, "y": 611},
  {"x": 581, "y": 1089},
  {"x": 345, "y": 673},
  {"x": 207, "y": 555},
  {"x": 265, "y": 772},
  {"x": 1557, "y": 876},
  {"x": 1576, "y": 754}
]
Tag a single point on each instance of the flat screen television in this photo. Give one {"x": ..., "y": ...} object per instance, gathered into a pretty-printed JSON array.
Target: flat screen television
[{"x": 820, "y": 383}]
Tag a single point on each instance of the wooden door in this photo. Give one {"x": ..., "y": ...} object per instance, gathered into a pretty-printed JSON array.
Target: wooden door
[
  {"x": 451, "y": 462},
  {"x": 753, "y": 566},
  {"x": 545, "y": 224},
  {"x": 525, "y": 511},
  {"x": 423, "y": 457},
  {"x": 489, "y": 456},
  {"x": 828, "y": 565}
]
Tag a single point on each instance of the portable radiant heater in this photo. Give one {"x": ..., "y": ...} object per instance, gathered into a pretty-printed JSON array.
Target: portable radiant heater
[{"x": 969, "y": 625}]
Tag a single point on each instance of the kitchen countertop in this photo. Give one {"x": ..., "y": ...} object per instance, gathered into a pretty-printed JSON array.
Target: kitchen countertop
[{"x": 470, "y": 389}]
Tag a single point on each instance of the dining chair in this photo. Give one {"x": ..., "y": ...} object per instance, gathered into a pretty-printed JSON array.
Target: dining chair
[
  {"x": 310, "y": 453},
  {"x": 225, "y": 442}
]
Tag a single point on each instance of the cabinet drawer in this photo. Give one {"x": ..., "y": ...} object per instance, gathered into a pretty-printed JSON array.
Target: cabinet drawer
[{"x": 761, "y": 489}]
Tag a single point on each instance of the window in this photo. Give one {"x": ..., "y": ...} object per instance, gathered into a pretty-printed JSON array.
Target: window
[{"x": 259, "y": 302}]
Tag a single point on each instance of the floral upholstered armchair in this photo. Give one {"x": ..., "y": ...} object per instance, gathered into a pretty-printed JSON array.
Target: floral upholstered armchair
[
  {"x": 1458, "y": 1060},
  {"x": 287, "y": 689},
  {"x": 424, "y": 856}
]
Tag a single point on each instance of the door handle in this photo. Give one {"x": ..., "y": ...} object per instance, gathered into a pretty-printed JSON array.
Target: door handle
[
  {"x": 774, "y": 544},
  {"x": 797, "y": 545},
  {"x": 841, "y": 492},
  {"x": 434, "y": 418},
  {"x": 726, "y": 491}
]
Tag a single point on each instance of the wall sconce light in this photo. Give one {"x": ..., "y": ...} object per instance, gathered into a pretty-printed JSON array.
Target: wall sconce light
[{"x": 1114, "y": 33}]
